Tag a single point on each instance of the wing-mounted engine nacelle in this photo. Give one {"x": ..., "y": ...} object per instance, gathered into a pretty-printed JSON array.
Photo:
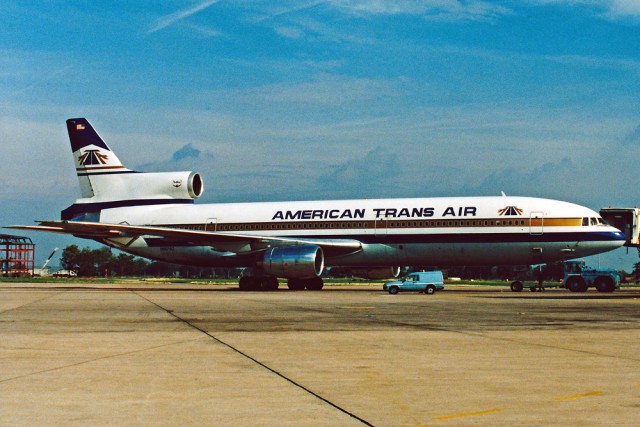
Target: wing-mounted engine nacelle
[
  {"x": 294, "y": 262},
  {"x": 376, "y": 273}
]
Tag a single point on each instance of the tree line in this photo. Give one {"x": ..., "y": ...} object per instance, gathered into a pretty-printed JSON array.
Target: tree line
[{"x": 102, "y": 262}]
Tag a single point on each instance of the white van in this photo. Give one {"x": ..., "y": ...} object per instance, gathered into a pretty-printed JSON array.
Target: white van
[{"x": 423, "y": 281}]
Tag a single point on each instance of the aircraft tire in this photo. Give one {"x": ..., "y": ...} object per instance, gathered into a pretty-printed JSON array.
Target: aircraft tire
[
  {"x": 269, "y": 283},
  {"x": 248, "y": 284},
  {"x": 315, "y": 284},
  {"x": 295, "y": 284}
]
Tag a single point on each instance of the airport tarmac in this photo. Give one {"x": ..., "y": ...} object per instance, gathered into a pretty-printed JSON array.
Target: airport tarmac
[{"x": 176, "y": 354}]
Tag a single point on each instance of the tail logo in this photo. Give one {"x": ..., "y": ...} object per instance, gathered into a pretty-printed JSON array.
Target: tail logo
[
  {"x": 510, "y": 211},
  {"x": 92, "y": 157}
]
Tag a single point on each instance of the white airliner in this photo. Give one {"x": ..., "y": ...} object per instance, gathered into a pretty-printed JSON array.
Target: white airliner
[{"x": 154, "y": 215}]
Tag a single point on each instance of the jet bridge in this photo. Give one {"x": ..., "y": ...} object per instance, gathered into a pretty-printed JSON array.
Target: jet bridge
[{"x": 626, "y": 220}]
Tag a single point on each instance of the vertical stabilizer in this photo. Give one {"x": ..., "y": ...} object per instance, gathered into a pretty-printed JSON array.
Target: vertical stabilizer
[
  {"x": 106, "y": 184},
  {"x": 92, "y": 156}
]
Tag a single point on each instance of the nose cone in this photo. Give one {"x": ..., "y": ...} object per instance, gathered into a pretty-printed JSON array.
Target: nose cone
[{"x": 617, "y": 238}]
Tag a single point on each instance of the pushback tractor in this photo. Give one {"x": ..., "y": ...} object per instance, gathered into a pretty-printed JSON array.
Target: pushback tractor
[{"x": 578, "y": 277}]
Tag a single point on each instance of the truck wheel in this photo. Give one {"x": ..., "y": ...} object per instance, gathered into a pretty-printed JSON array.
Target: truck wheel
[
  {"x": 517, "y": 286},
  {"x": 576, "y": 284},
  {"x": 393, "y": 290},
  {"x": 430, "y": 290},
  {"x": 605, "y": 284}
]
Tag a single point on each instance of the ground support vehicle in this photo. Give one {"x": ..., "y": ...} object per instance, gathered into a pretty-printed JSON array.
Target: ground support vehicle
[
  {"x": 578, "y": 277},
  {"x": 423, "y": 281},
  {"x": 518, "y": 286}
]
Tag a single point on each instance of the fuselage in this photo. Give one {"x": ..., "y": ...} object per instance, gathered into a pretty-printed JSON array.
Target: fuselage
[{"x": 422, "y": 231}]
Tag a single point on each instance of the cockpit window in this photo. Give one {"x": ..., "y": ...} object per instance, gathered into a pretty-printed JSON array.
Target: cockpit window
[
  {"x": 594, "y": 221},
  {"x": 585, "y": 222}
]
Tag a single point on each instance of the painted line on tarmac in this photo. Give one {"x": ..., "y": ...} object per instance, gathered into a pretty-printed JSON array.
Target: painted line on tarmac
[
  {"x": 46, "y": 297},
  {"x": 243, "y": 354},
  {"x": 467, "y": 414},
  {"x": 96, "y": 359},
  {"x": 578, "y": 396}
]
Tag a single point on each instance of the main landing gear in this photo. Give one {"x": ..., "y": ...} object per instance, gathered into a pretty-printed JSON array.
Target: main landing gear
[{"x": 270, "y": 283}]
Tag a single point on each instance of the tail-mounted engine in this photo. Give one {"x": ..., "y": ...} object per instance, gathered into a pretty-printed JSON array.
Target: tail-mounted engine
[
  {"x": 127, "y": 189},
  {"x": 150, "y": 185},
  {"x": 175, "y": 185},
  {"x": 294, "y": 262}
]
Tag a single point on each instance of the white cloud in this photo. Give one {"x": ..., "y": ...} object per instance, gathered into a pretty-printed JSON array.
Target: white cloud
[
  {"x": 289, "y": 32},
  {"x": 454, "y": 10},
  {"x": 624, "y": 8},
  {"x": 610, "y": 9},
  {"x": 168, "y": 20},
  {"x": 34, "y": 163}
]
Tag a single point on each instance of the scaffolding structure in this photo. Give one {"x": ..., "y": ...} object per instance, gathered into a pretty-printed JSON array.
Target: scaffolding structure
[{"x": 17, "y": 255}]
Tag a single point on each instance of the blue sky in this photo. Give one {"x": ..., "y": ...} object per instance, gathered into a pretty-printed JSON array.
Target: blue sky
[{"x": 326, "y": 99}]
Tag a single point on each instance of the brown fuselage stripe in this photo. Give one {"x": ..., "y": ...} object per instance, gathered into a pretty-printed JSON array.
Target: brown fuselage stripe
[{"x": 382, "y": 223}]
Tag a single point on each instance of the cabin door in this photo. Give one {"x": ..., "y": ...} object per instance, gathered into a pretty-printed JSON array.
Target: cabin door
[
  {"x": 211, "y": 224},
  {"x": 381, "y": 227},
  {"x": 536, "y": 223}
]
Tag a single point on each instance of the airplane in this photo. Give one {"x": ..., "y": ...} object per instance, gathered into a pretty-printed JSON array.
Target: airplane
[{"x": 154, "y": 215}]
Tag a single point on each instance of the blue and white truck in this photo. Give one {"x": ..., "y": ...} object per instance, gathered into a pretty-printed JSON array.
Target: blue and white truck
[{"x": 578, "y": 277}]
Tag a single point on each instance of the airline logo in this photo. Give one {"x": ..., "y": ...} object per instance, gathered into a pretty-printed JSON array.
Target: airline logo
[
  {"x": 380, "y": 213},
  {"x": 92, "y": 158},
  {"x": 510, "y": 211}
]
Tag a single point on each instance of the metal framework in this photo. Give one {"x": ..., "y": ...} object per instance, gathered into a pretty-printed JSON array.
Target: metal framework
[{"x": 17, "y": 256}]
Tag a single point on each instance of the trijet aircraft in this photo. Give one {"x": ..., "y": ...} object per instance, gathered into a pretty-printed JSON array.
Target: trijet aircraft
[{"x": 154, "y": 215}]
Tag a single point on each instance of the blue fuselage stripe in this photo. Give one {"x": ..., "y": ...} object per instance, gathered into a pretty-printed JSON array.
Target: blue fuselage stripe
[{"x": 468, "y": 238}]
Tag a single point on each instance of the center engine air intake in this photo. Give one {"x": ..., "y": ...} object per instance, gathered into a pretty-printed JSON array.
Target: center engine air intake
[
  {"x": 294, "y": 262},
  {"x": 177, "y": 185}
]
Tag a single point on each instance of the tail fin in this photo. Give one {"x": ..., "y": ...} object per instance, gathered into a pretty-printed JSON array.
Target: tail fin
[
  {"x": 105, "y": 183},
  {"x": 91, "y": 155}
]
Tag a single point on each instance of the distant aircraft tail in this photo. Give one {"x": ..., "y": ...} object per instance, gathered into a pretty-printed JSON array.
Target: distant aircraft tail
[{"x": 106, "y": 183}]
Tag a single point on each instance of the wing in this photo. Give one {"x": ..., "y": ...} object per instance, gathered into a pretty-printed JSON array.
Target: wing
[{"x": 221, "y": 241}]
